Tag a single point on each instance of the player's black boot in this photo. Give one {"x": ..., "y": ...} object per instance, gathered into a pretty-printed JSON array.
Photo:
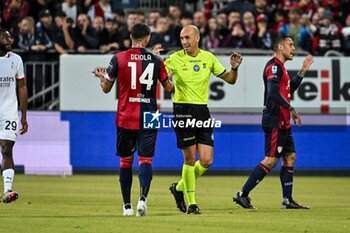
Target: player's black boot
[
  {"x": 243, "y": 201},
  {"x": 193, "y": 209},
  {"x": 179, "y": 197},
  {"x": 289, "y": 203}
]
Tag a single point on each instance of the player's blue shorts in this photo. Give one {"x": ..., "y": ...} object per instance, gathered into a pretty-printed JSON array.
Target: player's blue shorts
[
  {"x": 190, "y": 134},
  {"x": 142, "y": 140},
  {"x": 278, "y": 142}
]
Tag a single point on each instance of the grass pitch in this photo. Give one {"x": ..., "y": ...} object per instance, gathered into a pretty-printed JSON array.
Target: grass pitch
[{"x": 91, "y": 203}]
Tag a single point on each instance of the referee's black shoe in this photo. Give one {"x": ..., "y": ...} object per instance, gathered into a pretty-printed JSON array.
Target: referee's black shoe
[
  {"x": 193, "y": 209},
  {"x": 289, "y": 203},
  {"x": 179, "y": 197},
  {"x": 243, "y": 201}
]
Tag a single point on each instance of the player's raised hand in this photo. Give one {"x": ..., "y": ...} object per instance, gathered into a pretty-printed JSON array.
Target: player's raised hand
[
  {"x": 295, "y": 116},
  {"x": 24, "y": 128},
  {"x": 157, "y": 49},
  {"x": 235, "y": 60},
  {"x": 99, "y": 72},
  {"x": 306, "y": 65},
  {"x": 308, "y": 62}
]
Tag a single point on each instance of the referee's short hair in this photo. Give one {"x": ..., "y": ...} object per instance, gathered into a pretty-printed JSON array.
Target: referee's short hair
[
  {"x": 280, "y": 40},
  {"x": 140, "y": 31}
]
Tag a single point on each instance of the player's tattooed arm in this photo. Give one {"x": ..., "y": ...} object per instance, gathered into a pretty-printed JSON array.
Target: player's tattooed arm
[
  {"x": 297, "y": 79},
  {"x": 306, "y": 65}
]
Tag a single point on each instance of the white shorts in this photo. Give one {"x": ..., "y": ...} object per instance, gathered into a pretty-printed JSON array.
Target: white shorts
[{"x": 9, "y": 127}]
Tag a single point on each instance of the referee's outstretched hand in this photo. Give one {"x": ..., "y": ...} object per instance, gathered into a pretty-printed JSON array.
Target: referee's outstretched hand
[{"x": 235, "y": 60}]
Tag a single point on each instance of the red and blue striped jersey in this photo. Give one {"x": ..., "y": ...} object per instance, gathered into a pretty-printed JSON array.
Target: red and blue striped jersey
[
  {"x": 278, "y": 88},
  {"x": 137, "y": 71}
]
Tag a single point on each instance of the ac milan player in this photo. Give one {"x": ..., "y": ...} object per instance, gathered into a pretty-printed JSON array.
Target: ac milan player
[
  {"x": 276, "y": 124},
  {"x": 137, "y": 71},
  {"x": 11, "y": 75}
]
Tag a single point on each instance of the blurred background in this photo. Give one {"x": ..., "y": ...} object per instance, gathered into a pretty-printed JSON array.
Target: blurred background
[{"x": 71, "y": 122}]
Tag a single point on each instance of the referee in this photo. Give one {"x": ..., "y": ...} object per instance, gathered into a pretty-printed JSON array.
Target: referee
[{"x": 191, "y": 68}]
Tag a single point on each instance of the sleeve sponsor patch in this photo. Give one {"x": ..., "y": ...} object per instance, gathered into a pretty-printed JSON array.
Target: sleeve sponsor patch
[{"x": 274, "y": 70}]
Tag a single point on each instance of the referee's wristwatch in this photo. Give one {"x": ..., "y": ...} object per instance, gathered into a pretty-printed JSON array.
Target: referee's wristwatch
[{"x": 234, "y": 68}]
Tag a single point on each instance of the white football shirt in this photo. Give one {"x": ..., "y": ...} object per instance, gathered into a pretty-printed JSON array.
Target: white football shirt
[{"x": 11, "y": 68}]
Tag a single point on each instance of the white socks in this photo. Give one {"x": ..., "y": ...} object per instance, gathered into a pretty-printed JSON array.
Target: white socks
[{"x": 8, "y": 175}]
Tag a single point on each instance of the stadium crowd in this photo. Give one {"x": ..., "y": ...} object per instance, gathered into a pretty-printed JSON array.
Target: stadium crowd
[{"x": 79, "y": 26}]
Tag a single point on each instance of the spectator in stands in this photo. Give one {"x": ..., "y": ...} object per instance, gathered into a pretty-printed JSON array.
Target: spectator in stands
[
  {"x": 98, "y": 24},
  {"x": 233, "y": 17},
  {"x": 346, "y": 34},
  {"x": 59, "y": 18},
  {"x": 239, "y": 5},
  {"x": 328, "y": 34},
  {"x": 66, "y": 38},
  {"x": 306, "y": 6},
  {"x": 45, "y": 24},
  {"x": 86, "y": 4},
  {"x": 260, "y": 7},
  {"x": 221, "y": 19},
  {"x": 32, "y": 40},
  {"x": 263, "y": 37},
  {"x": 36, "y": 6},
  {"x": 212, "y": 39},
  {"x": 152, "y": 19},
  {"x": 140, "y": 17},
  {"x": 307, "y": 30},
  {"x": 119, "y": 15},
  {"x": 278, "y": 22},
  {"x": 101, "y": 8},
  {"x": 235, "y": 38},
  {"x": 175, "y": 13},
  {"x": 294, "y": 29},
  {"x": 315, "y": 19},
  {"x": 87, "y": 36},
  {"x": 249, "y": 29},
  {"x": 334, "y": 7},
  {"x": 185, "y": 19},
  {"x": 285, "y": 4},
  {"x": 163, "y": 34},
  {"x": 35, "y": 43},
  {"x": 200, "y": 21},
  {"x": 70, "y": 8},
  {"x": 110, "y": 39},
  {"x": 130, "y": 22},
  {"x": 12, "y": 12}
]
